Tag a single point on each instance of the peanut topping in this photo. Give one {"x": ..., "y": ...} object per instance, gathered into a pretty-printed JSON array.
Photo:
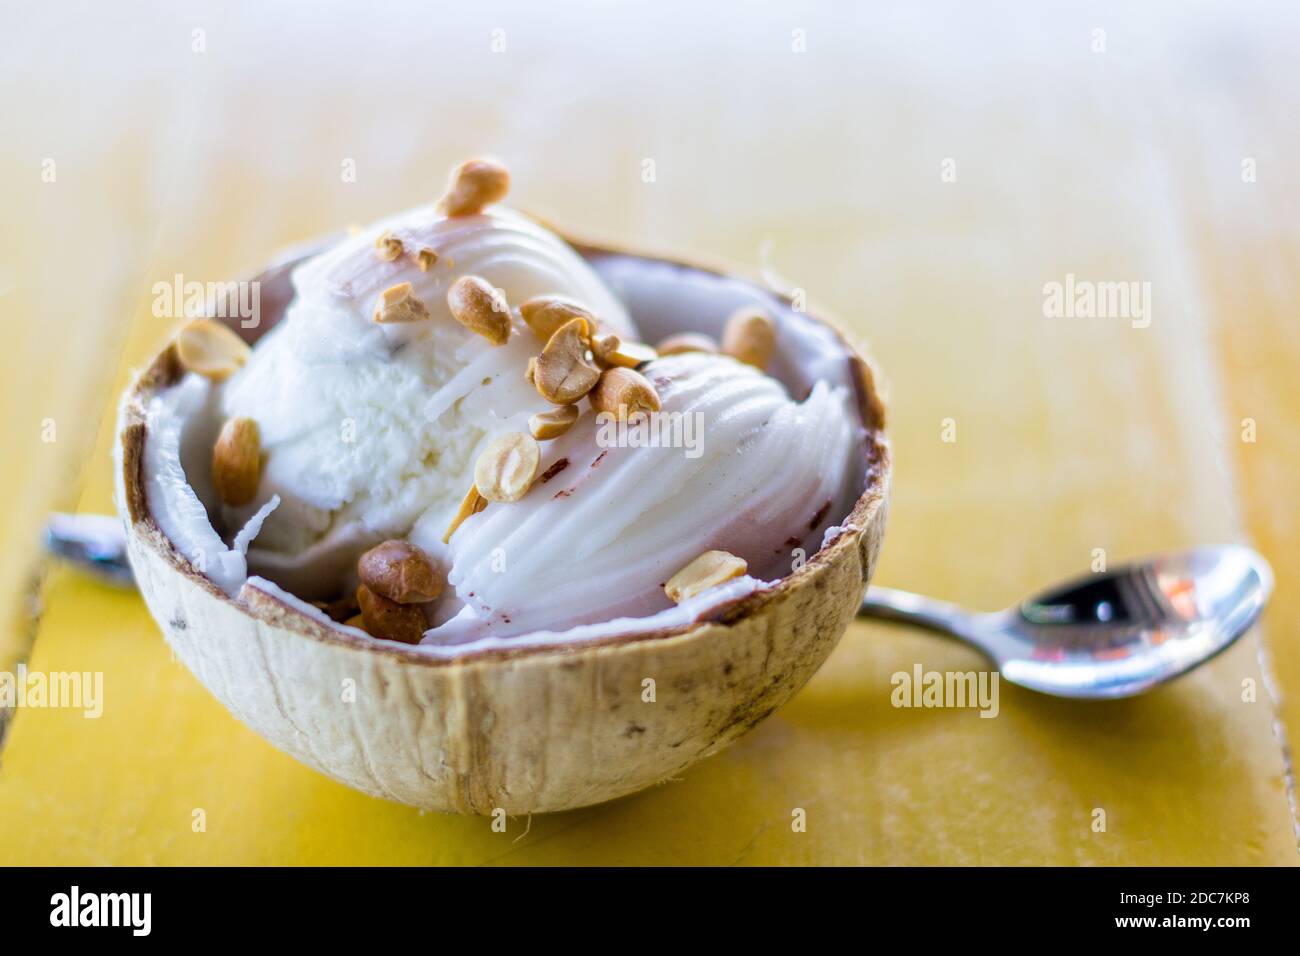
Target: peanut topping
[
  {"x": 609, "y": 350},
  {"x": 398, "y": 304},
  {"x": 389, "y": 620},
  {"x": 480, "y": 308},
  {"x": 471, "y": 504},
  {"x": 687, "y": 342},
  {"x": 211, "y": 349},
  {"x": 474, "y": 185},
  {"x": 750, "y": 336},
  {"x": 401, "y": 572},
  {"x": 388, "y": 246},
  {"x": 507, "y": 467},
  {"x": 530, "y": 373},
  {"x": 425, "y": 259},
  {"x": 563, "y": 373},
  {"x": 623, "y": 392},
  {"x": 603, "y": 346},
  {"x": 544, "y": 314},
  {"x": 547, "y": 425},
  {"x": 707, "y": 571},
  {"x": 237, "y": 461}
]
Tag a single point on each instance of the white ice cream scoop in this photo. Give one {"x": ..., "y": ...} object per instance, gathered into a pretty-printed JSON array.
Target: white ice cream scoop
[
  {"x": 731, "y": 462},
  {"x": 367, "y": 426}
]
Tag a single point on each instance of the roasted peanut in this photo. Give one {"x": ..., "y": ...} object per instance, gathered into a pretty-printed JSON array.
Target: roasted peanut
[
  {"x": 563, "y": 373},
  {"x": 398, "y": 304},
  {"x": 471, "y": 504},
  {"x": 480, "y": 308},
  {"x": 544, "y": 314},
  {"x": 474, "y": 185},
  {"x": 506, "y": 468},
  {"x": 610, "y": 351},
  {"x": 401, "y": 572},
  {"x": 237, "y": 462},
  {"x": 547, "y": 425},
  {"x": 389, "y": 620},
  {"x": 623, "y": 392},
  {"x": 211, "y": 349},
  {"x": 707, "y": 571},
  {"x": 750, "y": 336},
  {"x": 388, "y": 246}
]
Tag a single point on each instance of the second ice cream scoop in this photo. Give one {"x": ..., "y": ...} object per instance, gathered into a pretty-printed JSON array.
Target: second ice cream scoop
[{"x": 730, "y": 462}]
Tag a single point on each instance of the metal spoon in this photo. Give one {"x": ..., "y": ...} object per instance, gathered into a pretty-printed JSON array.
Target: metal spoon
[{"x": 1111, "y": 634}]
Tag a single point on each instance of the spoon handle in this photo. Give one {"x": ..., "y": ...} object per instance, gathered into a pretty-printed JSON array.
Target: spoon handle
[
  {"x": 893, "y": 605},
  {"x": 94, "y": 543}
]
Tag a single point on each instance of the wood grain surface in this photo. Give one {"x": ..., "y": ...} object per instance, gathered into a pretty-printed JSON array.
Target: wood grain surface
[{"x": 923, "y": 173}]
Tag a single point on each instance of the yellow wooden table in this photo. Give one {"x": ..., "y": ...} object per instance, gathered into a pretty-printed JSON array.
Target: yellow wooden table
[{"x": 925, "y": 174}]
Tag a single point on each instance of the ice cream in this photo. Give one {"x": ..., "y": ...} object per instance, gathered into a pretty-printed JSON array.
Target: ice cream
[
  {"x": 366, "y": 427},
  {"x": 730, "y": 462},
  {"x": 455, "y": 422}
]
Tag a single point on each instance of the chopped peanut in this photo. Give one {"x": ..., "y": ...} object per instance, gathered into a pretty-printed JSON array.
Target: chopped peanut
[
  {"x": 547, "y": 425},
  {"x": 471, "y": 504},
  {"x": 624, "y": 393},
  {"x": 479, "y": 307},
  {"x": 475, "y": 184},
  {"x": 611, "y": 351},
  {"x": 707, "y": 571},
  {"x": 563, "y": 373},
  {"x": 398, "y": 304},
  {"x": 388, "y": 246},
  {"x": 211, "y": 349},
  {"x": 237, "y": 462},
  {"x": 750, "y": 336},
  {"x": 544, "y": 314},
  {"x": 507, "y": 467}
]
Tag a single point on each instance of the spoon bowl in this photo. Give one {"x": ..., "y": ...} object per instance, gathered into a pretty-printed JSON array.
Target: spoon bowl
[{"x": 1110, "y": 634}]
